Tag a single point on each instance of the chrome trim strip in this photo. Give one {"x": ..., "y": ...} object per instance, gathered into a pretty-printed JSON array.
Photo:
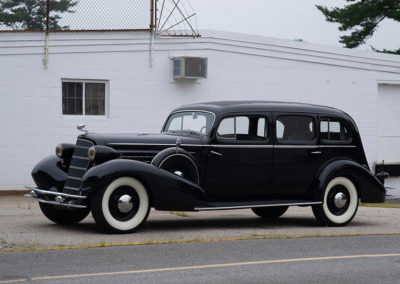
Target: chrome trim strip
[
  {"x": 242, "y": 146},
  {"x": 75, "y": 178},
  {"x": 257, "y": 206},
  {"x": 55, "y": 203},
  {"x": 85, "y": 140},
  {"x": 78, "y": 168},
  {"x": 82, "y": 158},
  {"x": 236, "y": 146},
  {"x": 152, "y": 144},
  {"x": 71, "y": 188},
  {"x": 296, "y": 146},
  {"x": 44, "y": 192},
  {"x": 136, "y": 157}
]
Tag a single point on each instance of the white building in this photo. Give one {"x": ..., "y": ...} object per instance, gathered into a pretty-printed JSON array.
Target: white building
[{"x": 137, "y": 80}]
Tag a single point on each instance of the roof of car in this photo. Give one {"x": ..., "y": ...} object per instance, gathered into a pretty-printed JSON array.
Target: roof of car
[{"x": 223, "y": 107}]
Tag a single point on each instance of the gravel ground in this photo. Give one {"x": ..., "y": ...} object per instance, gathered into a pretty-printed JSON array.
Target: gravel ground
[{"x": 23, "y": 226}]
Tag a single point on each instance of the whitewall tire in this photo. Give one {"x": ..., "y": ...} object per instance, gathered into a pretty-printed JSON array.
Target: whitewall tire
[
  {"x": 340, "y": 203},
  {"x": 122, "y": 206}
]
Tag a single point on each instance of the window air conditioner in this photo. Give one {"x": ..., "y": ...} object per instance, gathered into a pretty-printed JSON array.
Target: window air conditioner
[{"x": 186, "y": 67}]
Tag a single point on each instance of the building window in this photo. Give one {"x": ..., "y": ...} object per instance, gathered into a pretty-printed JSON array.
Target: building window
[{"x": 83, "y": 97}]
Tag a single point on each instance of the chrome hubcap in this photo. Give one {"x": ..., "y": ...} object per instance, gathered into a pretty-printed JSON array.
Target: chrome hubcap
[
  {"x": 125, "y": 203},
  {"x": 178, "y": 173},
  {"x": 340, "y": 200}
]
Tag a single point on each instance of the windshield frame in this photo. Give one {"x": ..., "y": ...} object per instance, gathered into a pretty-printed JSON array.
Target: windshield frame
[{"x": 188, "y": 110}]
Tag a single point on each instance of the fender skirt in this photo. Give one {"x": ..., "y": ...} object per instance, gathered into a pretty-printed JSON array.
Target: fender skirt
[
  {"x": 48, "y": 173},
  {"x": 167, "y": 191},
  {"x": 369, "y": 187}
]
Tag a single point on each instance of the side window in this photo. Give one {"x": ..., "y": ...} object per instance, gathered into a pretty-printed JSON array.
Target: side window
[
  {"x": 333, "y": 129},
  {"x": 243, "y": 128},
  {"x": 295, "y": 128}
]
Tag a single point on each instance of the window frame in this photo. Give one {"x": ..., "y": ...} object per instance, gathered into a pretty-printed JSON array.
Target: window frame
[
  {"x": 84, "y": 81},
  {"x": 342, "y": 122},
  {"x": 315, "y": 120},
  {"x": 267, "y": 129}
]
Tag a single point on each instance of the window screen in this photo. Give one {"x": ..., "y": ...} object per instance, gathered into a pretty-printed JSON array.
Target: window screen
[
  {"x": 334, "y": 130},
  {"x": 83, "y": 98},
  {"x": 295, "y": 128}
]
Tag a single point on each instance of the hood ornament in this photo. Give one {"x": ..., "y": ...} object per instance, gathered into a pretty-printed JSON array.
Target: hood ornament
[{"x": 81, "y": 128}]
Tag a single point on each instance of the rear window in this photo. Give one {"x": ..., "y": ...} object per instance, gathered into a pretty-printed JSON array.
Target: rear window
[
  {"x": 295, "y": 128},
  {"x": 332, "y": 129}
]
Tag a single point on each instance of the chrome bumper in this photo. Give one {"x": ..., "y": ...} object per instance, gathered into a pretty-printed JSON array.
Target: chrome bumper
[{"x": 55, "y": 198}]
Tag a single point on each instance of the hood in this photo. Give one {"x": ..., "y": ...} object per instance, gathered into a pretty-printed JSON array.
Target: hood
[{"x": 109, "y": 139}]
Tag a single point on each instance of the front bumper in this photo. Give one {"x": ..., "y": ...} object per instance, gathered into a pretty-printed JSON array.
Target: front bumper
[{"x": 56, "y": 198}]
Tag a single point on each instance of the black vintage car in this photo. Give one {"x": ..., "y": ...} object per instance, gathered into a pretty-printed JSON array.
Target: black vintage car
[{"x": 265, "y": 156}]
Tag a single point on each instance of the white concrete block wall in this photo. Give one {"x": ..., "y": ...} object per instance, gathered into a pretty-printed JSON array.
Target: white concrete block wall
[{"x": 140, "y": 97}]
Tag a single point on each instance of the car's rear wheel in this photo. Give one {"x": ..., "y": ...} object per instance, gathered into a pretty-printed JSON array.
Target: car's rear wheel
[
  {"x": 340, "y": 203},
  {"x": 122, "y": 206},
  {"x": 63, "y": 217},
  {"x": 270, "y": 212}
]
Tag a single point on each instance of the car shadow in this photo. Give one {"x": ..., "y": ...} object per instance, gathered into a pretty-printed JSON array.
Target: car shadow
[{"x": 202, "y": 224}]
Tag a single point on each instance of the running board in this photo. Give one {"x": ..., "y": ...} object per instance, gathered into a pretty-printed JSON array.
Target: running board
[{"x": 246, "y": 205}]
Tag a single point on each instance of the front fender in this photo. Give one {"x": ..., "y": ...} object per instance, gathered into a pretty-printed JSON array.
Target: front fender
[
  {"x": 368, "y": 186},
  {"x": 48, "y": 173},
  {"x": 167, "y": 191}
]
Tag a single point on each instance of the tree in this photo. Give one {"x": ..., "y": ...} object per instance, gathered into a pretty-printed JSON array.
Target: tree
[
  {"x": 31, "y": 14},
  {"x": 362, "y": 18}
]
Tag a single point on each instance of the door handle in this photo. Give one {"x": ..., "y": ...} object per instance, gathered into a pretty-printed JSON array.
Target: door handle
[{"x": 316, "y": 152}]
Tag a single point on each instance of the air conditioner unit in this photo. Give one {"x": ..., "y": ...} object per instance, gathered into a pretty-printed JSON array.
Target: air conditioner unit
[{"x": 186, "y": 67}]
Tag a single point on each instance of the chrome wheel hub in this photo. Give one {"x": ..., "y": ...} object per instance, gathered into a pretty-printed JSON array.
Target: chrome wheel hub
[
  {"x": 340, "y": 200},
  {"x": 125, "y": 203},
  {"x": 179, "y": 173}
]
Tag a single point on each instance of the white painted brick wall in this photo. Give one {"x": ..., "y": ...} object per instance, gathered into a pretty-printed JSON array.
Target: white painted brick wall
[{"x": 240, "y": 67}]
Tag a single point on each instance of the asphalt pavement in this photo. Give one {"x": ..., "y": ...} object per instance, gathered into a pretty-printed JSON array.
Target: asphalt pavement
[
  {"x": 361, "y": 259},
  {"x": 24, "y": 227}
]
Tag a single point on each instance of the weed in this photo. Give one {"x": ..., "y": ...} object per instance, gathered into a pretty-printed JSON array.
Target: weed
[{"x": 181, "y": 214}]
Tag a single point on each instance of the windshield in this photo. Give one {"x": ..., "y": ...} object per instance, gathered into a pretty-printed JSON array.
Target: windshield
[{"x": 195, "y": 122}]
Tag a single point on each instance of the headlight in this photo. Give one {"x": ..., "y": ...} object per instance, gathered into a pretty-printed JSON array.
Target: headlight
[
  {"x": 92, "y": 153},
  {"x": 59, "y": 150}
]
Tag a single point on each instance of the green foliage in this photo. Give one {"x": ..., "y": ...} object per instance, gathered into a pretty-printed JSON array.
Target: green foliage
[
  {"x": 362, "y": 18},
  {"x": 31, "y": 14}
]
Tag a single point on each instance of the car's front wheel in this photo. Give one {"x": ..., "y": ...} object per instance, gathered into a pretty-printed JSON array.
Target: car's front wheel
[
  {"x": 63, "y": 217},
  {"x": 270, "y": 212},
  {"x": 122, "y": 206},
  {"x": 340, "y": 203}
]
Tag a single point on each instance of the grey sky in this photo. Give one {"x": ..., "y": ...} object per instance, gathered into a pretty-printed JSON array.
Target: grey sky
[{"x": 290, "y": 19}]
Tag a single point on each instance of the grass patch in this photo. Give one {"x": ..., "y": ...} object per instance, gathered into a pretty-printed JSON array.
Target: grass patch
[
  {"x": 181, "y": 214},
  {"x": 380, "y": 205}
]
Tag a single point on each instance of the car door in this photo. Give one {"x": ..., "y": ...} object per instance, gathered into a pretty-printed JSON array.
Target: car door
[
  {"x": 239, "y": 165},
  {"x": 296, "y": 156}
]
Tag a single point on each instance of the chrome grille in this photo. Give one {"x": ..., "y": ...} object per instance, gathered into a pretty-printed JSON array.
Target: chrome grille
[{"x": 78, "y": 167}]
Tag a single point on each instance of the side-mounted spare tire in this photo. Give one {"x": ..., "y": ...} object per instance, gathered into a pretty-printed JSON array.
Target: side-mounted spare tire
[{"x": 179, "y": 162}]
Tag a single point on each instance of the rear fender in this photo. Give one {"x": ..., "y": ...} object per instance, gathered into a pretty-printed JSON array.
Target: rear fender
[
  {"x": 48, "y": 173},
  {"x": 368, "y": 186},
  {"x": 167, "y": 191}
]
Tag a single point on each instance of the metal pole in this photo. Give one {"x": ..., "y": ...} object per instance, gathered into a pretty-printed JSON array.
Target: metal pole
[
  {"x": 47, "y": 33},
  {"x": 151, "y": 14}
]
